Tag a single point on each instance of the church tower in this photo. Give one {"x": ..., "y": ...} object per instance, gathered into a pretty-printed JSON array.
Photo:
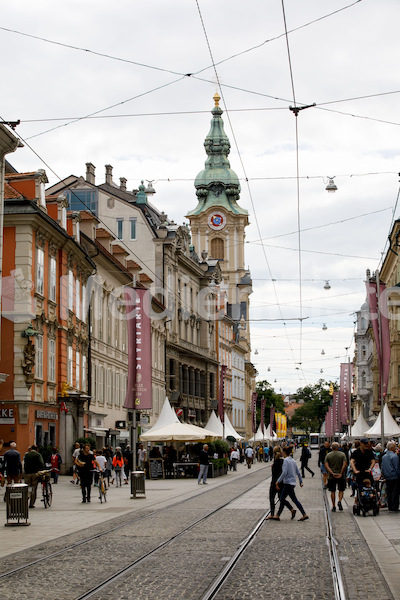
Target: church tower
[{"x": 218, "y": 224}]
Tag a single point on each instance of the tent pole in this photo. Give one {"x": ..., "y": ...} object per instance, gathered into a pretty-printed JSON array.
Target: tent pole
[{"x": 381, "y": 395}]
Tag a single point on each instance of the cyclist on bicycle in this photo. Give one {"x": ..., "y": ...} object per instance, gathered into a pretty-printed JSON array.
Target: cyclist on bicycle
[{"x": 33, "y": 463}]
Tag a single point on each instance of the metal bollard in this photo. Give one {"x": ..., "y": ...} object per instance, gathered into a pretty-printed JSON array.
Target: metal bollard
[{"x": 17, "y": 504}]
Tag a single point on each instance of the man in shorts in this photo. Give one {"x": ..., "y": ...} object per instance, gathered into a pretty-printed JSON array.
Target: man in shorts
[{"x": 336, "y": 465}]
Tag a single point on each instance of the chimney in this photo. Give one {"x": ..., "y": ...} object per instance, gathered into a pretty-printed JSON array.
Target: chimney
[
  {"x": 90, "y": 173},
  {"x": 109, "y": 174},
  {"x": 122, "y": 186}
]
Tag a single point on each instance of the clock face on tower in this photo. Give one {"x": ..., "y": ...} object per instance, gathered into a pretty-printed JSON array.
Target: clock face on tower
[{"x": 217, "y": 220}]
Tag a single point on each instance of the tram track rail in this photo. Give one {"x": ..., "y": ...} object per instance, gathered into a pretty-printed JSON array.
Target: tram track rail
[{"x": 76, "y": 545}]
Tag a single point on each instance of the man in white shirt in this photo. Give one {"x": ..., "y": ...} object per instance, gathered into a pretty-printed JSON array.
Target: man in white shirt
[{"x": 249, "y": 453}]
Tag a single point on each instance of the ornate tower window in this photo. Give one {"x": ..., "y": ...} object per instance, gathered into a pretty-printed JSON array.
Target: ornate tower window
[{"x": 217, "y": 248}]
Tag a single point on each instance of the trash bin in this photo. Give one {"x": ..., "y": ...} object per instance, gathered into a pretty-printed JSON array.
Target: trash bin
[
  {"x": 137, "y": 484},
  {"x": 17, "y": 504}
]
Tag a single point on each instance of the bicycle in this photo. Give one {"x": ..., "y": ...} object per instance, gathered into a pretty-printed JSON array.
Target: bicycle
[
  {"x": 47, "y": 492},
  {"x": 101, "y": 484}
]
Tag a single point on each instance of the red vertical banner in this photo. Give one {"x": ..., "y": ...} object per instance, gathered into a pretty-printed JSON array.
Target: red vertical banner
[
  {"x": 378, "y": 309},
  {"x": 253, "y": 412},
  {"x": 335, "y": 411},
  {"x": 344, "y": 393},
  {"x": 262, "y": 414},
  {"x": 328, "y": 423},
  {"x": 221, "y": 398},
  {"x": 271, "y": 420},
  {"x": 139, "y": 392}
]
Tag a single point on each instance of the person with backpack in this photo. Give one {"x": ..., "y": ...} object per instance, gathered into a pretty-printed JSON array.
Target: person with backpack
[
  {"x": 304, "y": 458},
  {"x": 118, "y": 465}
]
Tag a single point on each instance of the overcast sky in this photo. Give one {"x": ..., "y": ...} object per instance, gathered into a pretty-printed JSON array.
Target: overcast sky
[{"x": 154, "y": 118}]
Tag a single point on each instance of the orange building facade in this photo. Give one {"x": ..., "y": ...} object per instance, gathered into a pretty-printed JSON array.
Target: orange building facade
[{"x": 44, "y": 334}]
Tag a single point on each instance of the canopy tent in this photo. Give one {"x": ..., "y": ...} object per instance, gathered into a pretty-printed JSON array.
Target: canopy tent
[
  {"x": 390, "y": 426},
  {"x": 260, "y": 437},
  {"x": 168, "y": 428},
  {"x": 214, "y": 424},
  {"x": 360, "y": 427}
]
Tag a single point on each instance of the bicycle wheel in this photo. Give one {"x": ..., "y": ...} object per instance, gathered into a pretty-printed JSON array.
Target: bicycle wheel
[{"x": 47, "y": 494}]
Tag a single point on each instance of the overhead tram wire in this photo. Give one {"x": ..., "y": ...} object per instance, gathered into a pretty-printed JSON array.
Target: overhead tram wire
[
  {"x": 244, "y": 170},
  {"x": 295, "y": 110},
  {"x": 108, "y": 107},
  {"x": 139, "y": 64}
]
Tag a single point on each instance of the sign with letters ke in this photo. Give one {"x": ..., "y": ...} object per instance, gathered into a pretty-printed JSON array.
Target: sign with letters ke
[{"x": 7, "y": 416}]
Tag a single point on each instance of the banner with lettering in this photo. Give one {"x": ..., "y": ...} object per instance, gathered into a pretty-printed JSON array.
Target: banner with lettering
[
  {"x": 344, "y": 394},
  {"x": 254, "y": 412},
  {"x": 271, "y": 420},
  {"x": 262, "y": 414},
  {"x": 139, "y": 389}
]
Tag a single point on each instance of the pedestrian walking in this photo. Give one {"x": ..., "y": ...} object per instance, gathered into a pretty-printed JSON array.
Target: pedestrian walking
[
  {"x": 323, "y": 451},
  {"x": 33, "y": 463},
  {"x": 304, "y": 458},
  {"x": 249, "y": 453},
  {"x": 128, "y": 462},
  {"x": 203, "y": 462},
  {"x": 78, "y": 448},
  {"x": 142, "y": 457},
  {"x": 276, "y": 472},
  {"x": 118, "y": 465},
  {"x": 235, "y": 456},
  {"x": 55, "y": 461},
  {"x": 86, "y": 463},
  {"x": 12, "y": 464},
  {"x": 288, "y": 478},
  {"x": 336, "y": 466},
  {"x": 391, "y": 473}
]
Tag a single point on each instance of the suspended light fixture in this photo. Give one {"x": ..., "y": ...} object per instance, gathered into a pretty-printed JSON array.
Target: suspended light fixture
[
  {"x": 321, "y": 371},
  {"x": 274, "y": 380},
  {"x": 331, "y": 187},
  {"x": 324, "y": 327},
  {"x": 256, "y": 351},
  {"x": 269, "y": 368},
  {"x": 327, "y": 286},
  {"x": 322, "y": 351}
]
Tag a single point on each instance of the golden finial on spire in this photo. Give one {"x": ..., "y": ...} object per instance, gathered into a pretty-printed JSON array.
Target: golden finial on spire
[{"x": 216, "y": 99}]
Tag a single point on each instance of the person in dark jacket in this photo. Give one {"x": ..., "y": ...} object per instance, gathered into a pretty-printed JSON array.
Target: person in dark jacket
[
  {"x": 203, "y": 460},
  {"x": 56, "y": 461},
  {"x": 276, "y": 473},
  {"x": 12, "y": 464},
  {"x": 304, "y": 458},
  {"x": 323, "y": 451},
  {"x": 33, "y": 463}
]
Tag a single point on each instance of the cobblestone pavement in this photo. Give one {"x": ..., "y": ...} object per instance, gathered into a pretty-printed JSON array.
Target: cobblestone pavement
[{"x": 287, "y": 559}]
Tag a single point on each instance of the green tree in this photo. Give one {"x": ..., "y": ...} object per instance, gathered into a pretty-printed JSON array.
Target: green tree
[
  {"x": 311, "y": 414},
  {"x": 265, "y": 390}
]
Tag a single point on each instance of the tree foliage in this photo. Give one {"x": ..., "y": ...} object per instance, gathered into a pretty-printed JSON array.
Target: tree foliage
[
  {"x": 265, "y": 390},
  {"x": 311, "y": 414}
]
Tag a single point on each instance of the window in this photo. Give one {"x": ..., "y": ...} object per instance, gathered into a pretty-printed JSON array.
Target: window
[
  {"x": 84, "y": 302},
  {"x": 69, "y": 366},
  {"x": 120, "y": 229},
  {"x": 78, "y": 299},
  {"x": 53, "y": 279},
  {"x": 52, "y": 360},
  {"x": 132, "y": 224},
  {"x": 70, "y": 290},
  {"x": 78, "y": 370},
  {"x": 82, "y": 200},
  {"x": 217, "y": 248},
  {"x": 39, "y": 357},
  {"x": 117, "y": 378},
  {"x": 84, "y": 373},
  {"x": 40, "y": 271},
  {"x": 100, "y": 316}
]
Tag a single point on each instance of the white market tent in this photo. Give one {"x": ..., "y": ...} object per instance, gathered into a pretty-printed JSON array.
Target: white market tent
[
  {"x": 214, "y": 424},
  {"x": 390, "y": 426},
  {"x": 168, "y": 428},
  {"x": 260, "y": 437},
  {"x": 360, "y": 427}
]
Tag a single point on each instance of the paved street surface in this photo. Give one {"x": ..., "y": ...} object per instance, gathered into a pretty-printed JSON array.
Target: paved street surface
[{"x": 280, "y": 563}]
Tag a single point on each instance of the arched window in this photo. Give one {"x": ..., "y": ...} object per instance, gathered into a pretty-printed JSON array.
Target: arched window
[
  {"x": 217, "y": 248},
  {"x": 363, "y": 380}
]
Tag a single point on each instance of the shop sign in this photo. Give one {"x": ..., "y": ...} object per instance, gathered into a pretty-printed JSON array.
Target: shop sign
[
  {"x": 191, "y": 413},
  {"x": 46, "y": 414},
  {"x": 120, "y": 424},
  {"x": 7, "y": 416},
  {"x": 144, "y": 419}
]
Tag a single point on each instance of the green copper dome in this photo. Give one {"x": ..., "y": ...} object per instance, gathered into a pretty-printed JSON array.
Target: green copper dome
[{"x": 217, "y": 184}]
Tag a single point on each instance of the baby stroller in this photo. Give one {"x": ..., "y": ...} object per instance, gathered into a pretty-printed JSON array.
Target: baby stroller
[{"x": 367, "y": 497}]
